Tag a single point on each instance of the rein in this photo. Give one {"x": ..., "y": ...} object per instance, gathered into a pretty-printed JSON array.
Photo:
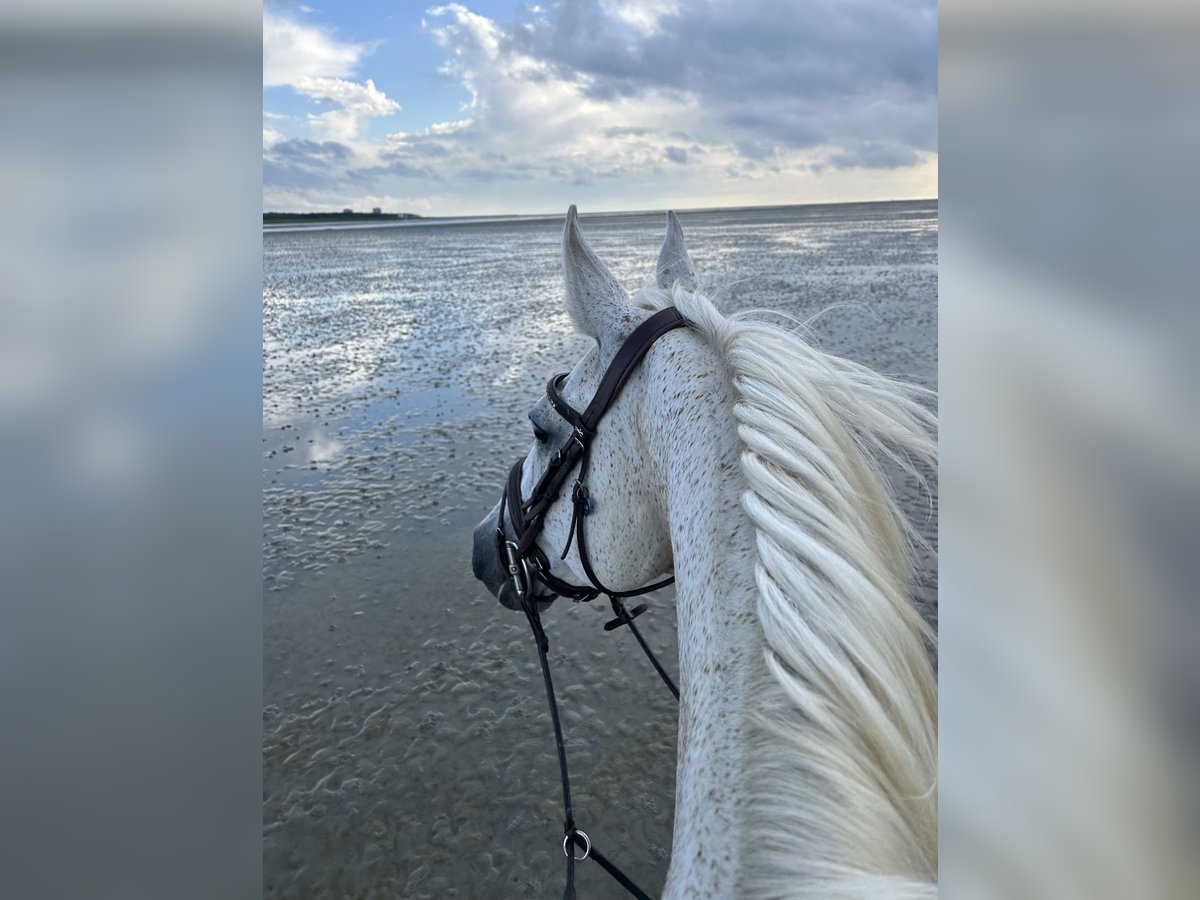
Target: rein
[
  {"x": 527, "y": 564},
  {"x": 572, "y": 836}
]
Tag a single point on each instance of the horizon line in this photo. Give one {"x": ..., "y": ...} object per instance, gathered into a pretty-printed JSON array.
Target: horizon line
[{"x": 549, "y": 215}]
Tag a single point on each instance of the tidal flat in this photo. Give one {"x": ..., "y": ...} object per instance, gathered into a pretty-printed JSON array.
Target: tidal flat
[{"x": 407, "y": 747}]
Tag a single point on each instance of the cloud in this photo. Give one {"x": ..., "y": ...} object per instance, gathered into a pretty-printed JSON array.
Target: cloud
[
  {"x": 310, "y": 60},
  {"x": 300, "y": 163},
  {"x": 270, "y": 137},
  {"x": 797, "y": 76},
  {"x": 396, "y": 169},
  {"x": 856, "y": 79},
  {"x": 353, "y": 101},
  {"x": 300, "y": 150},
  {"x": 642, "y": 15},
  {"x": 875, "y": 155},
  {"x": 625, "y": 131},
  {"x": 656, "y": 103},
  {"x": 524, "y": 107},
  {"x": 293, "y": 51},
  {"x": 361, "y": 98}
]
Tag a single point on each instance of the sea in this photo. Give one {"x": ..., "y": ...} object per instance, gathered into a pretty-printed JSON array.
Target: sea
[{"x": 407, "y": 750}]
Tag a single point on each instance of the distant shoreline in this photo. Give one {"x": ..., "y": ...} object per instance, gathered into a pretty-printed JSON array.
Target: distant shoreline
[
  {"x": 294, "y": 218},
  {"x": 298, "y": 221}
]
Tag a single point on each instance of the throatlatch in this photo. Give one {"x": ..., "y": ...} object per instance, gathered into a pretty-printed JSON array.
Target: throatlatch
[{"x": 527, "y": 564}]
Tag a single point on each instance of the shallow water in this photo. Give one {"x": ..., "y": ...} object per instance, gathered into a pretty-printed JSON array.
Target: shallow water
[{"x": 407, "y": 749}]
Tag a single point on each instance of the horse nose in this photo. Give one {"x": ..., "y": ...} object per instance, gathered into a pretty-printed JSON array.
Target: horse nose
[
  {"x": 484, "y": 564},
  {"x": 479, "y": 553}
]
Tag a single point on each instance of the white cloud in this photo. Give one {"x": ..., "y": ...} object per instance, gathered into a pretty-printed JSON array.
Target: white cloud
[
  {"x": 354, "y": 101},
  {"x": 523, "y": 109},
  {"x": 364, "y": 99},
  {"x": 311, "y": 60},
  {"x": 292, "y": 51},
  {"x": 643, "y": 15}
]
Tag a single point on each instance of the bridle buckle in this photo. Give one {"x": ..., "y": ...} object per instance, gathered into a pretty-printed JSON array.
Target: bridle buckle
[
  {"x": 582, "y": 498},
  {"x": 518, "y": 570}
]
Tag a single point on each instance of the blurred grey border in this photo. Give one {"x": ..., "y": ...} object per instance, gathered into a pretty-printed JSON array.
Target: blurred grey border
[
  {"x": 1070, "y": 448},
  {"x": 130, "y": 412},
  {"x": 130, "y": 415}
]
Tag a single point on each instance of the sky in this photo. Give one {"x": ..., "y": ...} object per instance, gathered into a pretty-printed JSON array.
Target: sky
[{"x": 489, "y": 107}]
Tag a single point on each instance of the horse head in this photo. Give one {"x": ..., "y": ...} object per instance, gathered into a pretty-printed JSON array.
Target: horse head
[{"x": 627, "y": 541}]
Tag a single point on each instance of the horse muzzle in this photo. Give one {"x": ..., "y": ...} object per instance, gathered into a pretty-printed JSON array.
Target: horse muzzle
[{"x": 508, "y": 577}]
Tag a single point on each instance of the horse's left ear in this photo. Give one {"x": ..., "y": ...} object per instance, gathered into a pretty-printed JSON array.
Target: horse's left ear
[
  {"x": 674, "y": 264},
  {"x": 595, "y": 300}
]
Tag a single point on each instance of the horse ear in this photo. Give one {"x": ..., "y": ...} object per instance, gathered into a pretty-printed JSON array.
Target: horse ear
[
  {"x": 674, "y": 264},
  {"x": 594, "y": 298}
]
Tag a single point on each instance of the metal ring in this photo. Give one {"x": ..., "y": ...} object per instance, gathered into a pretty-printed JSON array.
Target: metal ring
[{"x": 587, "y": 845}]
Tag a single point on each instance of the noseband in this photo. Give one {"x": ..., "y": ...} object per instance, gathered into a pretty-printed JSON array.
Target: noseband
[{"x": 527, "y": 564}]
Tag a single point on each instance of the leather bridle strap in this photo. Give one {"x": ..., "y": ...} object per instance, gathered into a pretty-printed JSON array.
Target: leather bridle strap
[
  {"x": 631, "y": 353},
  {"x": 572, "y": 836}
]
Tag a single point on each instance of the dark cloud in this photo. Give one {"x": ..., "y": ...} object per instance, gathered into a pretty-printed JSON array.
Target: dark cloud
[
  {"x": 797, "y": 75},
  {"x": 300, "y": 163},
  {"x": 676, "y": 154},
  {"x": 625, "y": 131},
  {"x": 396, "y": 168},
  {"x": 483, "y": 176},
  {"x": 755, "y": 149},
  {"x": 301, "y": 151},
  {"x": 875, "y": 155},
  {"x": 416, "y": 146}
]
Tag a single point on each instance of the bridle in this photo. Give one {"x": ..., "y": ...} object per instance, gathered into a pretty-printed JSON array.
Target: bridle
[
  {"x": 527, "y": 565},
  {"x": 523, "y": 559}
]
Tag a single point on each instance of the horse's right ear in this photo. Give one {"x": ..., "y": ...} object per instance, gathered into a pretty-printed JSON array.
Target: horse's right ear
[
  {"x": 594, "y": 298},
  {"x": 674, "y": 264}
]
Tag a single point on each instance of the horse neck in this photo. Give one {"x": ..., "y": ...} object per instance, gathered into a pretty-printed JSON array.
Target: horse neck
[
  {"x": 694, "y": 442},
  {"x": 817, "y": 837}
]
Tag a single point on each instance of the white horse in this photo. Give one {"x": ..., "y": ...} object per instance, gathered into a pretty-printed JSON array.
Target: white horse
[{"x": 748, "y": 463}]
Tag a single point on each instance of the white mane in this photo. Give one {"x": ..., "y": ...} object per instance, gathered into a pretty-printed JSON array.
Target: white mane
[{"x": 842, "y": 797}]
